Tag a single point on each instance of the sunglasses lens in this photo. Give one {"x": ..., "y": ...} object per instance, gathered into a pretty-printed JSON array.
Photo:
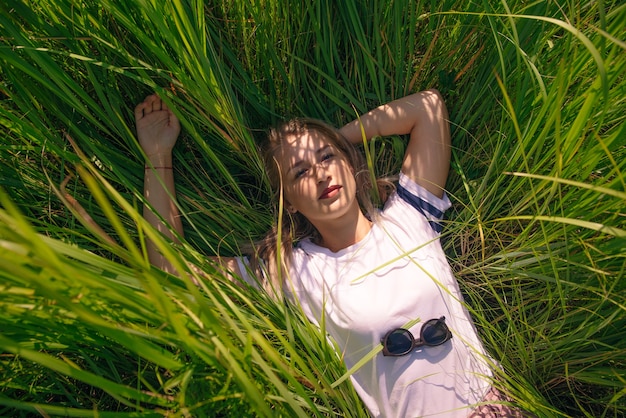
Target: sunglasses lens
[
  {"x": 399, "y": 342},
  {"x": 435, "y": 332}
]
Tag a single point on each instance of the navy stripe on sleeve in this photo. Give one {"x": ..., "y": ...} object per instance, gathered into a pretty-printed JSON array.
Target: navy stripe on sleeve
[{"x": 425, "y": 208}]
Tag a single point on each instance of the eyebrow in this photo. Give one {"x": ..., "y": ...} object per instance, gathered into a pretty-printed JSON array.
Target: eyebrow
[{"x": 300, "y": 162}]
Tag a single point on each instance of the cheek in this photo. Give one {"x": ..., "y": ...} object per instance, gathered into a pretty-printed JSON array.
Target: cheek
[
  {"x": 345, "y": 175},
  {"x": 297, "y": 191}
]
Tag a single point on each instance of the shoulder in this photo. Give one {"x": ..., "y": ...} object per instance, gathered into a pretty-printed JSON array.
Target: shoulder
[{"x": 410, "y": 200}]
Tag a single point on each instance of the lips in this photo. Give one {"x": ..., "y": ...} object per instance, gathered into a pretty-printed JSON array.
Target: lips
[{"x": 329, "y": 192}]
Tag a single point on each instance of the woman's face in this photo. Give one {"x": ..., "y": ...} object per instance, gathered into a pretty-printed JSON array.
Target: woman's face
[{"x": 317, "y": 179}]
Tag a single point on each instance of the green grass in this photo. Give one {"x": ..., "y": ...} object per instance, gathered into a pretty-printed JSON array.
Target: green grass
[{"x": 536, "y": 236}]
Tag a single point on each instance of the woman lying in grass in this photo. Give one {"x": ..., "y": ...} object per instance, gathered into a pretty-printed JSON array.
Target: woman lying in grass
[{"x": 363, "y": 273}]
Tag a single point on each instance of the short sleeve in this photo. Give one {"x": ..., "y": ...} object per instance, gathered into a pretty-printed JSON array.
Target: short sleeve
[
  {"x": 246, "y": 271},
  {"x": 431, "y": 206}
]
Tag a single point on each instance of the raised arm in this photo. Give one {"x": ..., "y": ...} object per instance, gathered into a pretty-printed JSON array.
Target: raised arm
[
  {"x": 424, "y": 117},
  {"x": 157, "y": 131}
]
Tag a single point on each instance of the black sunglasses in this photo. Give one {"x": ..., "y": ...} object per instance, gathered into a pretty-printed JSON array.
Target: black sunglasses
[{"x": 400, "y": 341}]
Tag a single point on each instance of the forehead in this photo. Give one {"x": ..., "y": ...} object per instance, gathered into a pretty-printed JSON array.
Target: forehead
[{"x": 301, "y": 147}]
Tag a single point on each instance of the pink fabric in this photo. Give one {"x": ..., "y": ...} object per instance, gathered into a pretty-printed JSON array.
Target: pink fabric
[{"x": 493, "y": 408}]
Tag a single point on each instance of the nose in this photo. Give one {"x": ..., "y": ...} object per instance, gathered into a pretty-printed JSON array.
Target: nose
[{"x": 321, "y": 172}]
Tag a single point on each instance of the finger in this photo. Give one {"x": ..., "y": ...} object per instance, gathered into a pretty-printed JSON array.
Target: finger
[
  {"x": 139, "y": 110},
  {"x": 149, "y": 103},
  {"x": 157, "y": 104},
  {"x": 173, "y": 120},
  {"x": 145, "y": 107}
]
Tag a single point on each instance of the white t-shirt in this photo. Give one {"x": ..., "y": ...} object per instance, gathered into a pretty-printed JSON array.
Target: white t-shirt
[{"x": 396, "y": 274}]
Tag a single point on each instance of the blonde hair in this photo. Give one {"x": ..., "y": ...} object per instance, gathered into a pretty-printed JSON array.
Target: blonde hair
[{"x": 272, "y": 256}]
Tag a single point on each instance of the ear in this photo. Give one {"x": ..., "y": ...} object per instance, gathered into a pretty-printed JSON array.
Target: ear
[{"x": 291, "y": 209}]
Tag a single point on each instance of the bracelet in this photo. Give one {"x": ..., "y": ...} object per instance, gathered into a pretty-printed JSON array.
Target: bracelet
[{"x": 157, "y": 167}]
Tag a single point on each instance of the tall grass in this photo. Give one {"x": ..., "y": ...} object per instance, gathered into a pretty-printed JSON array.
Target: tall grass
[{"x": 537, "y": 236}]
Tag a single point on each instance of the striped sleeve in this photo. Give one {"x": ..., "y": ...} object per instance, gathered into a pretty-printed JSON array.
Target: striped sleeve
[{"x": 429, "y": 205}]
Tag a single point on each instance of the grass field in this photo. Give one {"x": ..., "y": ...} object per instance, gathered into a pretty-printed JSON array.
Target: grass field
[{"x": 537, "y": 233}]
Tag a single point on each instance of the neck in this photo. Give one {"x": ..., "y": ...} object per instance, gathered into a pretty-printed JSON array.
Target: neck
[{"x": 341, "y": 233}]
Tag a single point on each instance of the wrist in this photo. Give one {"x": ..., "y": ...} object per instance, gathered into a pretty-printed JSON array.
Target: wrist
[
  {"x": 151, "y": 167},
  {"x": 159, "y": 160}
]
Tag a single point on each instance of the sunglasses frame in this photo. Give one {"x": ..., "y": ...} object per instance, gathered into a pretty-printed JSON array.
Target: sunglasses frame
[{"x": 415, "y": 343}]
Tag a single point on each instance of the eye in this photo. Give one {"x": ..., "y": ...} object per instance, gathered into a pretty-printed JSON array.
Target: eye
[
  {"x": 327, "y": 156},
  {"x": 300, "y": 173}
]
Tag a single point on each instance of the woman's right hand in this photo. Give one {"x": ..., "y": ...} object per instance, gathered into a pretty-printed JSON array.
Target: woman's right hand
[
  {"x": 157, "y": 131},
  {"x": 157, "y": 127}
]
